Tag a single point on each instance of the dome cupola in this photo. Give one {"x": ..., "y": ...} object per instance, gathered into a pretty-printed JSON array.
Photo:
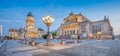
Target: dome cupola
[
  {"x": 30, "y": 14},
  {"x": 29, "y": 20},
  {"x": 30, "y": 17}
]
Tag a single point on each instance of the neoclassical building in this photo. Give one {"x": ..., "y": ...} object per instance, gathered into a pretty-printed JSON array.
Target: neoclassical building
[
  {"x": 13, "y": 33},
  {"x": 30, "y": 29},
  {"x": 102, "y": 29},
  {"x": 77, "y": 24}
]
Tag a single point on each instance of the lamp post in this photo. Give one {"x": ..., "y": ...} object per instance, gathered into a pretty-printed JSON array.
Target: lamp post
[
  {"x": 48, "y": 20},
  {"x": 99, "y": 33}
]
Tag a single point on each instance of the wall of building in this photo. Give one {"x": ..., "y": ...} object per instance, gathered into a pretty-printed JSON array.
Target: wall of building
[{"x": 77, "y": 24}]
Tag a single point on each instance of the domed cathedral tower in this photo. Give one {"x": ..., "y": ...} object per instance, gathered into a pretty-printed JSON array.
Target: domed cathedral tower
[
  {"x": 30, "y": 21},
  {"x": 30, "y": 29}
]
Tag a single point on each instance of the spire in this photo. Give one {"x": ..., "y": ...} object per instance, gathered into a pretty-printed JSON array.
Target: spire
[
  {"x": 80, "y": 13},
  {"x": 108, "y": 19},
  {"x": 30, "y": 14},
  {"x": 105, "y": 17},
  {"x": 71, "y": 13}
]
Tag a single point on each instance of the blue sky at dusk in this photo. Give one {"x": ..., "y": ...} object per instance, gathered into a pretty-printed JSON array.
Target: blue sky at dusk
[{"x": 13, "y": 12}]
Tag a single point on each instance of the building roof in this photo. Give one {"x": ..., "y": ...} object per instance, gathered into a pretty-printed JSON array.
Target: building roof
[
  {"x": 80, "y": 14},
  {"x": 13, "y": 30},
  {"x": 104, "y": 20},
  {"x": 30, "y": 19},
  {"x": 30, "y": 14},
  {"x": 40, "y": 29}
]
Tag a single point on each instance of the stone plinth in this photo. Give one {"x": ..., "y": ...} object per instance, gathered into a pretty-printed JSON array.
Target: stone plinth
[{"x": 62, "y": 42}]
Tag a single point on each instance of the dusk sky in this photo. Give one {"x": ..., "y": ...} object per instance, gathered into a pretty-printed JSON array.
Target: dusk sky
[{"x": 13, "y": 13}]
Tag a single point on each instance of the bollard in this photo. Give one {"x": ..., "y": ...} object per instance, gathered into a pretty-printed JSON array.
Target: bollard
[
  {"x": 75, "y": 41},
  {"x": 27, "y": 42},
  {"x": 33, "y": 42},
  {"x": 48, "y": 44},
  {"x": 62, "y": 42},
  {"x": 24, "y": 41}
]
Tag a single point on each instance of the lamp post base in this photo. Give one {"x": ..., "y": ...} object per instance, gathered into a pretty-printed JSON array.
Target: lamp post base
[
  {"x": 75, "y": 41},
  {"x": 48, "y": 41},
  {"x": 27, "y": 42},
  {"x": 33, "y": 42},
  {"x": 48, "y": 44},
  {"x": 62, "y": 42}
]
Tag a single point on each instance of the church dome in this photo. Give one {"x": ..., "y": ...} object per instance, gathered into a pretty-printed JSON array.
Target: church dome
[{"x": 30, "y": 17}]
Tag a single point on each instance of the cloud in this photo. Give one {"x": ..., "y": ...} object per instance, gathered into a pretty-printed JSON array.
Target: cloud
[
  {"x": 5, "y": 21},
  {"x": 11, "y": 21}
]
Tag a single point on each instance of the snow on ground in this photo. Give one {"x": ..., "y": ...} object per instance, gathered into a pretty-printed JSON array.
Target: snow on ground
[
  {"x": 14, "y": 43},
  {"x": 73, "y": 45},
  {"x": 17, "y": 48},
  {"x": 23, "y": 48},
  {"x": 30, "y": 53},
  {"x": 38, "y": 51},
  {"x": 82, "y": 48},
  {"x": 98, "y": 48},
  {"x": 61, "y": 47},
  {"x": 22, "y": 54}
]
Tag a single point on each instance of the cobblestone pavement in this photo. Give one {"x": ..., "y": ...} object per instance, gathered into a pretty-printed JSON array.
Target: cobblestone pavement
[{"x": 85, "y": 48}]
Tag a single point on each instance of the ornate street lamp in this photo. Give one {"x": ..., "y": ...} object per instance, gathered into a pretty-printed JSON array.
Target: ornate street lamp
[{"x": 48, "y": 20}]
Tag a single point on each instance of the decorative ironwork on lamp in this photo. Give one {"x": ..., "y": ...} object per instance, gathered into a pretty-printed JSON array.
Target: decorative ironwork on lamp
[{"x": 48, "y": 20}]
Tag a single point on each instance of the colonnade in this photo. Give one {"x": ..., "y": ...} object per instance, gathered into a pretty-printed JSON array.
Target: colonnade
[{"x": 71, "y": 29}]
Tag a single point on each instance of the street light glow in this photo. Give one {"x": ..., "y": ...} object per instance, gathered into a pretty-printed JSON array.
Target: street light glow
[{"x": 48, "y": 20}]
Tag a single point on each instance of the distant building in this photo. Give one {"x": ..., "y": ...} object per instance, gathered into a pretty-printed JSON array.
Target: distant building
[
  {"x": 102, "y": 29},
  {"x": 13, "y": 33},
  {"x": 117, "y": 37},
  {"x": 1, "y": 30},
  {"x": 77, "y": 24},
  {"x": 21, "y": 33},
  {"x": 42, "y": 32},
  {"x": 30, "y": 31}
]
